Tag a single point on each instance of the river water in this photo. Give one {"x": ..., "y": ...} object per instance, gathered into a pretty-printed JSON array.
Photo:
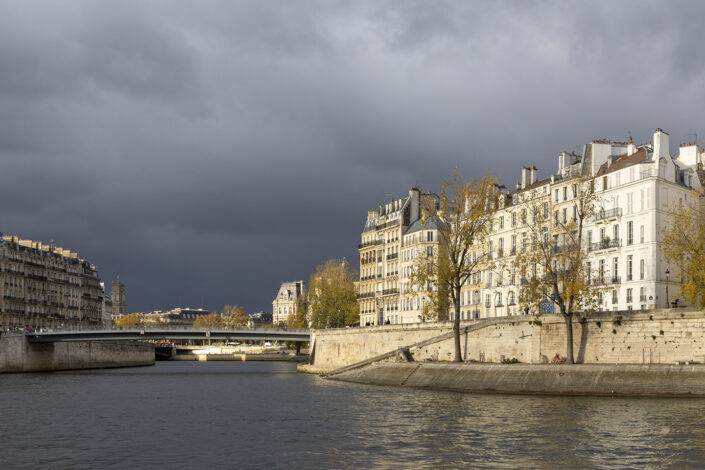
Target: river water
[{"x": 265, "y": 415}]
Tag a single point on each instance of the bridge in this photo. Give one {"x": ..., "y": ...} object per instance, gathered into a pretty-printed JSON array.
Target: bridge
[{"x": 164, "y": 335}]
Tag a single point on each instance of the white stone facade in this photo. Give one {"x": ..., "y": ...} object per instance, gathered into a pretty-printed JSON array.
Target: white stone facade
[{"x": 285, "y": 302}]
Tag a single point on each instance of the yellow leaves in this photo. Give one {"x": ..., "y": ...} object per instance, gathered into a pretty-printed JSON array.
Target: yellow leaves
[{"x": 684, "y": 247}]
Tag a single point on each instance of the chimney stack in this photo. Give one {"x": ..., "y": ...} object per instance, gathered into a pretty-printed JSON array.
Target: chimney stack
[
  {"x": 533, "y": 177},
  {"x": 524, "y": 174},
  {"x": 660, "y": 144}
]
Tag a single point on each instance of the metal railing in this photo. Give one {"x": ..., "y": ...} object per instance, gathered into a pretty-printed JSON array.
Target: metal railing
[
  {"x": 608, "y": 214},
  {"x": 370, "y": 243},
  {"x": 606, "y": 244}
]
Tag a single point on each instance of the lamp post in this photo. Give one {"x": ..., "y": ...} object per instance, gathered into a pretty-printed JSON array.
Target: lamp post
[{"x": 668, "y": 303}]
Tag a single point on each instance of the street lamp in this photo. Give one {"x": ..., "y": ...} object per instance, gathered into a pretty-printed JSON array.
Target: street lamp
[{"x": 668, "y": 303}]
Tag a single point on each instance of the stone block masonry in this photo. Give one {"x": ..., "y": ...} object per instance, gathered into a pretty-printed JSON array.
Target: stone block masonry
[
  {"x": 653, "y": 337},
  {"x": 19, "y": 355}
]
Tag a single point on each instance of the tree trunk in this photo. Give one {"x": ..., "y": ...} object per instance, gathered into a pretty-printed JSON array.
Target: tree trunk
[
  {"x": 569, "y": 338},
  {"x": 456, "y": 327}
]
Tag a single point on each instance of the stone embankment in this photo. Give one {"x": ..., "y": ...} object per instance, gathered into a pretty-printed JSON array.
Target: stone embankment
[
  {"x": 17, "y": 354},
  {"x": 551, "y": 379},
  {"x": 656, "y": 337}
]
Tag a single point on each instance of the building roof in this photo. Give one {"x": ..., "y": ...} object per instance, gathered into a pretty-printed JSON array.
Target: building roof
[
  {"x": 624, "y": 161},
  {"x": 431, "y": 224}
]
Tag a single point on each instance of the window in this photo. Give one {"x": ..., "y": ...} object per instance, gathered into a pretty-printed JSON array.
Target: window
[
  {"x": 629, "y": 296},
  {"x": 615, "y": 232},
  {"x": 629, "y": 267},
  {"x": 501, "y": 221},
  {"x": 429, "y": 236},
  {"x": 602, "y": 234},
  {"x": 565, "y": 214},
  {"x": 514, "y": 219},
  {"x": 615, "y": 268},
  {"x": 545, "y": 210},
  {"x": 556, "y": 194},
  {"x": 514, "y": 244},
  {"x": 575, "y": 190},
  {"x": 565, "y": 193},
  {"x": 641, "y": 234},
  {"x": 588, "y": 272},
  {"x": 575, "y": 212},
  {"x": 642, "y": 294},
  {"x": 641, "y": 269},
  {"x": 630, "y": 233},
  {"x": 523, "y": 242},
  {"x": 602, "y": 271},
  {"x": 604, "y": 183},
  {"x": 589, "y": 237},
  {"x": 614, "y": 296},
  {"x": 555, "y": 216}
]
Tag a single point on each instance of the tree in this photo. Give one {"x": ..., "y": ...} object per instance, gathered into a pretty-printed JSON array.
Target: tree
[
  {"x": 235, "y": 316},
  {"x": 210, "y": 321},
  {"x": 332, "y": 300},
  {"x": 684, "y": 246},
  {"x": 297, "y": 319},
  {"x": 554, "y": 268},
  {"x": 131, "y": 321},
  {"x": 463, "y": 218}
]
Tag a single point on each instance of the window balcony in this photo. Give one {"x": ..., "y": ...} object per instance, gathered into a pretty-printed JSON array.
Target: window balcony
[
  {"x": 608, "y": 214},
  {"x": 606, "y": 244}
]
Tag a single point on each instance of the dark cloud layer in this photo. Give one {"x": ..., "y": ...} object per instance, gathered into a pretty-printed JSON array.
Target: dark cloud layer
[{"x": 205, "y": 151}]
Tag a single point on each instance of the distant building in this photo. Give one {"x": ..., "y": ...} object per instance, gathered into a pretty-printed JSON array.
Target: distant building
[
  {"x": 117, "y": 295},
  {"x": 259, "y": 318},
  {"x": 47, "y": 287},
  {"x": 177, "y": 316},
  {"x": 285, "y": 301}
]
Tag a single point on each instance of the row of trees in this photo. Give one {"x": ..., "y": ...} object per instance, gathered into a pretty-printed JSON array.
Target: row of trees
[{"x": 233, "y": 316}]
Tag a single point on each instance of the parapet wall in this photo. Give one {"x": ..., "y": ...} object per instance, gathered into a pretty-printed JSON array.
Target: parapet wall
[
  {"x": 17, "y": 354},
  {"x": 654, "y": 337}
]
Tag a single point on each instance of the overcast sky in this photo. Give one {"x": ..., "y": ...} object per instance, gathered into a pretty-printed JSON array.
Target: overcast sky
[{"x": 204, "y": 151}]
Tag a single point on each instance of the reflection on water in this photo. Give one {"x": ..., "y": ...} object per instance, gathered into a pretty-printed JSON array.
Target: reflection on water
[{"x": 250, "y": 415}]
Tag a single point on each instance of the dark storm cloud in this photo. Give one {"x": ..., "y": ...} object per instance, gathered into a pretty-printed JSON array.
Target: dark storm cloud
[{"x": 206, "y": 151}]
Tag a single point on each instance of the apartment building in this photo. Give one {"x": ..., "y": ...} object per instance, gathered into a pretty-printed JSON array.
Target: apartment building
[
  {"x": 47, "y": 287},
  {"x": 392, "y": 237},
  {"x": 635, "y": 187},
  {"x": 284, "y": 303}
]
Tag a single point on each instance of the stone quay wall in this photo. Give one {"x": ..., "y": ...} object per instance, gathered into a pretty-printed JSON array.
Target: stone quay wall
[
  {"x": 657, "y": 380},
  {"x": 666, "y": 336},
  {"x": 17, "y": 354}
]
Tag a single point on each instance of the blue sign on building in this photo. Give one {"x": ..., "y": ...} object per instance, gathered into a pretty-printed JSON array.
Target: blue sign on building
[{"x": 547, "y": 307}]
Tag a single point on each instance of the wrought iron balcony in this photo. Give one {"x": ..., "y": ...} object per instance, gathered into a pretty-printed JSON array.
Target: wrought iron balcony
[
  {"x": 608, "y": 214},
  {"x": 369, "y": 243},
  {"x": 606, "y": 244}
]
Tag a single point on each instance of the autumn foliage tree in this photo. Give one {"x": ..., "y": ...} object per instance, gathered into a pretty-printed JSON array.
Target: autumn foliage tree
[
  {"x": 463, "y": 218},
  {"x": 332, "y": 299},
  {"x": 235, "y": 316},
  {"x": 131, "y": 321},
  {"x": 210, "y": 321},
  {"x": 684, "y": 247}
]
